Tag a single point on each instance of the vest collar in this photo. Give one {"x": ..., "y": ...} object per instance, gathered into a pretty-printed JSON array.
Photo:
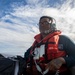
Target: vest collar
[{"x": 38, "y": 37}]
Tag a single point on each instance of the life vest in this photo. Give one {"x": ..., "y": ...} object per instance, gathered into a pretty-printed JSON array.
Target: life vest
[{"x": 47, "y": 49}]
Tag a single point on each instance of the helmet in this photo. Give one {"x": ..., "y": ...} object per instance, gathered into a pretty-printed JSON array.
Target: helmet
[{"x": 52, "y": 22}]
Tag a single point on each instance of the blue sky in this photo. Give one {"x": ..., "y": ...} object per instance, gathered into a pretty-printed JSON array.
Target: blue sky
[
  {"x": 6, "y": 6},
  {"x": 19, "y": 19}
]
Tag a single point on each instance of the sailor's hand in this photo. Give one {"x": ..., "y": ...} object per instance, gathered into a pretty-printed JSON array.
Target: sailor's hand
[{"x": 55, "y": 64}]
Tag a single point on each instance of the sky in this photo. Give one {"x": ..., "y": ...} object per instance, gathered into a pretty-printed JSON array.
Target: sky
[{"x": 19, "y": 19}]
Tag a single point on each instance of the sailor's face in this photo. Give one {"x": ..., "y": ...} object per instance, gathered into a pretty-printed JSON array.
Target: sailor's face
[{"x": 44, "y": 25}]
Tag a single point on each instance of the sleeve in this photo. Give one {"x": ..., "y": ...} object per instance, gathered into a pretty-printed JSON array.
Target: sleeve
[
  {"x": 28, "y": 51},
  {"x": 26, "y": 54},
  {"x": 69, "y": 47}
]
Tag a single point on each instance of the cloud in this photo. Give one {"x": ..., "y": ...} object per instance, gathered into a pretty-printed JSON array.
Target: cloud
[{"x": 17, "y": 28}]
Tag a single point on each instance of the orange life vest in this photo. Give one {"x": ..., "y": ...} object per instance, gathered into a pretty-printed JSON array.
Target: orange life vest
[{"x": 51, "y": 48}]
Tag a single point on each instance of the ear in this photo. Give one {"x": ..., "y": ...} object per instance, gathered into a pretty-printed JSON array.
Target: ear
[{"x": 53, "y": 26}]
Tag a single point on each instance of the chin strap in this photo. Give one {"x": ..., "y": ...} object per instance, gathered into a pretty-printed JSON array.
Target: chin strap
[
  {"x": 40, "y": 70},
  {"x": 44, "y": 72}
]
